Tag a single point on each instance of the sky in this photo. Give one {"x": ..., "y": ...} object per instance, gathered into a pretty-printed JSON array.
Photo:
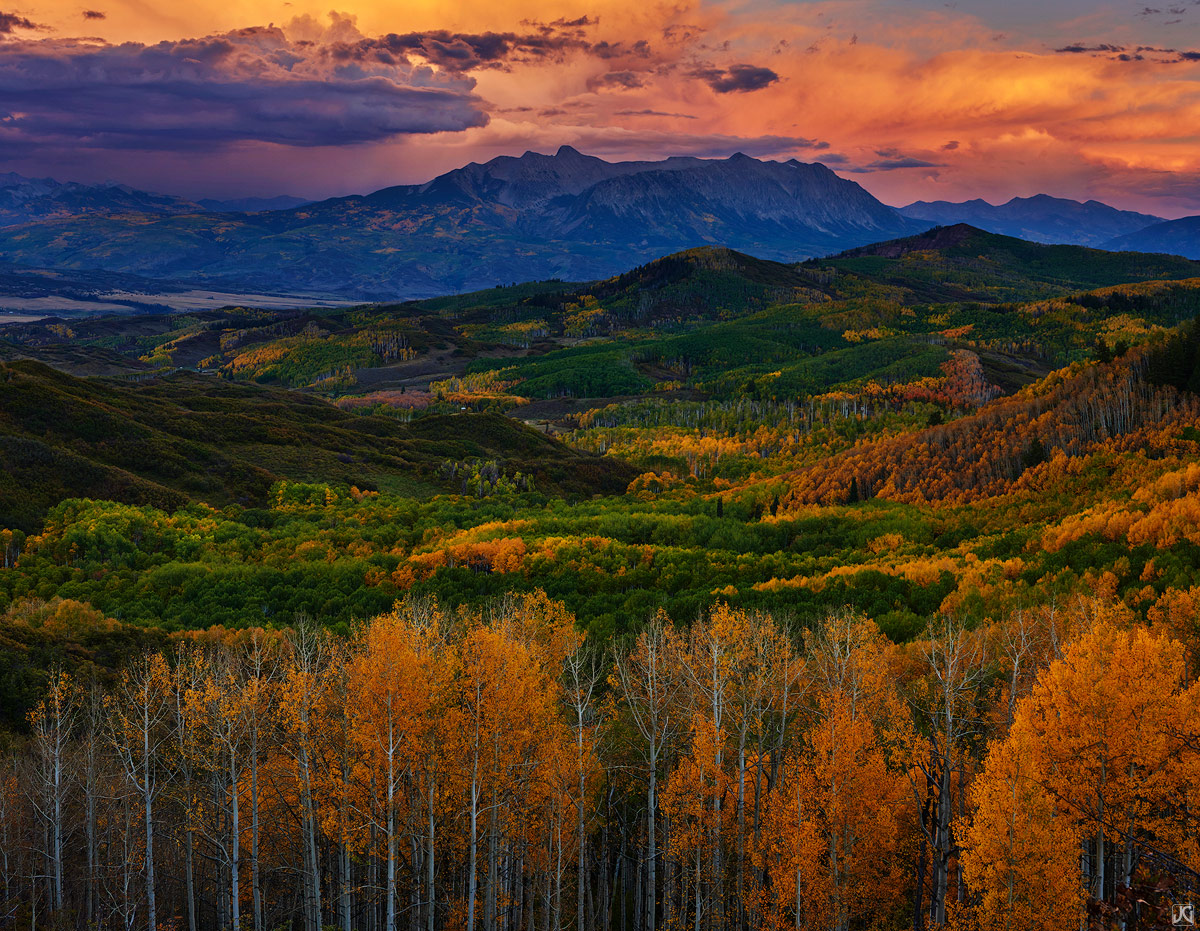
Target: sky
[{"x": 913, "y": 99}]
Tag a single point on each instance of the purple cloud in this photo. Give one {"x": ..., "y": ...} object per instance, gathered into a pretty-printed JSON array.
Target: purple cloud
[
  {"x": 253, "y": 85},
  {"x": 648, "y": 112},
  {"x": 892, "y": 163},
  {"x": 625, "y": 143},
  {"x": 737, "y": 79},
  {"x": 461, "y": 51},
  {"x": 10, "y": 22},
  {"x": 1166, "y": 56},
  {"x": 618, "y": 80}
]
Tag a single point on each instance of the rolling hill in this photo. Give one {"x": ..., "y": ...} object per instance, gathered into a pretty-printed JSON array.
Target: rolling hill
[
  {"x": 961, "y": 262},
  {"x": 180, "y": 438}
]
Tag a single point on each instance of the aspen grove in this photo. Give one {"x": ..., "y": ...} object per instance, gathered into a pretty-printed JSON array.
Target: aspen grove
[{"x": 490, "y": 770}]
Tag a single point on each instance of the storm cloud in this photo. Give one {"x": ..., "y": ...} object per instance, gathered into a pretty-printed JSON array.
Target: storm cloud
[
  {"x": 466, "y": 51},
  {"x": 253, "y": 85}
]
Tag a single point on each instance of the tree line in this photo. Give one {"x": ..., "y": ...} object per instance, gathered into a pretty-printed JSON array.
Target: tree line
[{"x": 490, "y": 770}]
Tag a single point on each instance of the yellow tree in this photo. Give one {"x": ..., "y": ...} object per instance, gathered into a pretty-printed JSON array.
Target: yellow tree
[
  {"x": 1020, "y": 856},
  {"x": 691, "y": 800},
  {"x": 944, "y": 696},
  {"x": 390, "y": 701},
  {"x": 742, "y": 671},
  {"x": 302, "y": 693},
  {"x": 842, "y": 790},
  {"x": 1103, "y": 750},
  {"x": 507, "y": 697}
]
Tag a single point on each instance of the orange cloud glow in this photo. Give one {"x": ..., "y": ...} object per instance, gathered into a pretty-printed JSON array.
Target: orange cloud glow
[{"x": 919, "y": 102}]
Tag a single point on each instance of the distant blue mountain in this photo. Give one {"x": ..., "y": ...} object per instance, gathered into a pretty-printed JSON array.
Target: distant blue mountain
[
  {"x": 1040, "y": 218},
  {"x": 252, "y": 204},
  {"x": 1176, "y": 237},
  {"x": 27, "y": 200},
  {"x": 32, "y": 200}
]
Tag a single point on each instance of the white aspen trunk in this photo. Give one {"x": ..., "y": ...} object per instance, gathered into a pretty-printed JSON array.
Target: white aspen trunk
[
  {"x": 344, "y": 870},
  {"x": 390, "y": 921},
  {"x": 581, "y": 866},
  {"x": 189, "y": 846},
  {"x": 474, "y": 841},
  {"x": 429, "y": 867},
  {"x": 558, "y": 874},
  {"x": 651, "y": 840},
  {"x": 490, "y": 897},
  {"x": 128, "y": 908},
  {"x": 57, "y": 827},
  {"x": 89, "y": 796},
  {"x": 255, "y": 881},
  {"x": 235, "y": 842},
  {"x": 741, "y": 828},
  {"x": 716, "y": 903},
  {"x": 148, "y": 804},
  {"x": 941, "y": 873},
  {"x": 312, "y": 876},
  {"x": 189, "y": 878}
]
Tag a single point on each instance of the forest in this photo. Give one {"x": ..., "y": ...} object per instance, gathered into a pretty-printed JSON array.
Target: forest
[
  {"x": 495, "y": 769},
  {"x": 723, "y": 595}
]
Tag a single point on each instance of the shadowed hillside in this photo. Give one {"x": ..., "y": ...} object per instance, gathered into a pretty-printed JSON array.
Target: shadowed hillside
[{"x": 186, "y": 437}]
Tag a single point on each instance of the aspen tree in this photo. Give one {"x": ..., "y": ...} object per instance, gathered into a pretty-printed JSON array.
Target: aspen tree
[
  {"x": 52, "y": 724},
  {"x": 139, "y": 722},
  {"x": 944, "y": 701},
  {"x": 301, "y": 695},
  {"x": 651, "y": 678}
]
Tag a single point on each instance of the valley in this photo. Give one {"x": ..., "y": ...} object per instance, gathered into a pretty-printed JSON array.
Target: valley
[
  {"x": 953, "y": 447},
  {"x": 756, "y": 426}
]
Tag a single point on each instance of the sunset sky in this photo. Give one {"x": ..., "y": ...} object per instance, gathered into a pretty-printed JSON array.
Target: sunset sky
[{"x": 914, "y": 99}]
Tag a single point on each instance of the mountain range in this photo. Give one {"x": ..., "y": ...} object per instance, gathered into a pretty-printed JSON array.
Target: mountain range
[
  {"x": 1040, "y": 218},
  {"x": 568, "y": 216}
]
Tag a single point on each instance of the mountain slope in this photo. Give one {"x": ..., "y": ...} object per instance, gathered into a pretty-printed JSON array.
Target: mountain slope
[
  {"x": 1174, "y": 237},
  {"x": 535, "y": 217},
  {"x": 30, "y": 200},
  {"x": 27, "y": 200},
  {"x": 1040, "y": 218},
  {"x": 170, "y": 440}
]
